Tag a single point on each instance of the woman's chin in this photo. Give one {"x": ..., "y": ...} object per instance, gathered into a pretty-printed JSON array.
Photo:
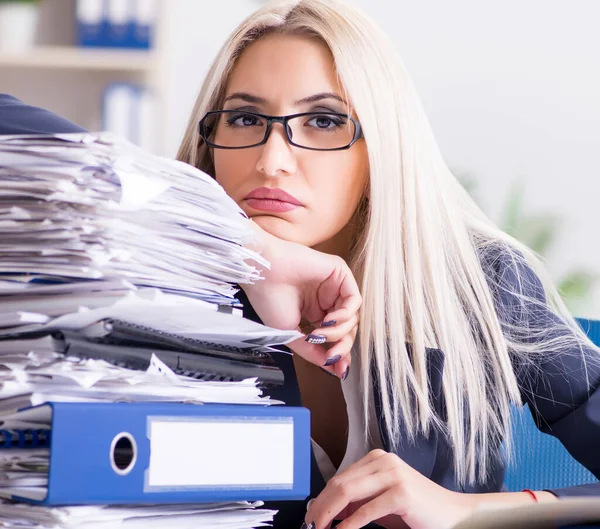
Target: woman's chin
[{"x": 279, "y": 228}]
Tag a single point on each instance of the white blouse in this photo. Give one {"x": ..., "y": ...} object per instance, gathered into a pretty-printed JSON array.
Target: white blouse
[{"x": 356, "y": 448}]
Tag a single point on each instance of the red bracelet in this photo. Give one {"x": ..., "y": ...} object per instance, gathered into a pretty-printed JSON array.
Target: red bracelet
[{"x": 535, "y": 498}]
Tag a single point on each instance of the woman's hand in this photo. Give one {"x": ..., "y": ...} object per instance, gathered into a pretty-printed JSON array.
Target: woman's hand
[
  {"x": 304, "y": 285},
  {"x": 384, "y": 489}
]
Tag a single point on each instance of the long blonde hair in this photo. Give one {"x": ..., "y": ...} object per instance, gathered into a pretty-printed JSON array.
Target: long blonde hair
[{"x": 419, "y": 256}]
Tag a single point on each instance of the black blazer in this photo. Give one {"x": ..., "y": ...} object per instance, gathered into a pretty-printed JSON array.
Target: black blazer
[
  {"x": 567, "y": 403},
  {"x": 19, "y": 118}
]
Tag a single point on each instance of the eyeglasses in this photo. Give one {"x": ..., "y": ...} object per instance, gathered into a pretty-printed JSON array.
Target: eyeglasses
[{"x": 318, "y": 131}]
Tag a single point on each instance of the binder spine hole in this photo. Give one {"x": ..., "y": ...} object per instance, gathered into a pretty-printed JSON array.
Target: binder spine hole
[{"x": 123, "y": 453}]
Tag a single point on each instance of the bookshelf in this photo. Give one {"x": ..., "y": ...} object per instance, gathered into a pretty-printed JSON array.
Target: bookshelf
[
  {"x": 70, "y": 80},
  {"x": 77, "y": 58}
]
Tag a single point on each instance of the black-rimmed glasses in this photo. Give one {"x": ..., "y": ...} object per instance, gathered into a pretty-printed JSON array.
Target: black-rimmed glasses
[{"x": 318, "y": 131}]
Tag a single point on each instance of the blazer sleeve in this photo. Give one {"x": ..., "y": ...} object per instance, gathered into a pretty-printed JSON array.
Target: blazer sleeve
[
  {"x": 561, "y": 385},
  {"x": 18, "y": 118}
]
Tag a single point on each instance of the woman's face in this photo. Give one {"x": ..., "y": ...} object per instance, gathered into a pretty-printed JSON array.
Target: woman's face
[{"x": 281, "y": 75}]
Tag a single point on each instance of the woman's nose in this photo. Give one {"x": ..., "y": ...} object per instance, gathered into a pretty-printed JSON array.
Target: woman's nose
[{"x": 277, "y": 157}]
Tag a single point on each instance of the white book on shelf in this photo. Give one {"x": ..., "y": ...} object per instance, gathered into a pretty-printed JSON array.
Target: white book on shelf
[
  {"x": 119, "y": 114},
  {"x": 128, "y": 110},
  {"x": 145, "y": 13},
  {"x": 90, "y": 16}
]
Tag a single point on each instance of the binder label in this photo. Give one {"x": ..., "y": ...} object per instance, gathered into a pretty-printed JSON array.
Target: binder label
[{"x": 188, "y": 452}]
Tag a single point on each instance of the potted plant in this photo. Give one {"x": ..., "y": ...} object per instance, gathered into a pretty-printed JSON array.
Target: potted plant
[
  {"x": 539, "y": 232},
  {"x": 18, "y": 24}
]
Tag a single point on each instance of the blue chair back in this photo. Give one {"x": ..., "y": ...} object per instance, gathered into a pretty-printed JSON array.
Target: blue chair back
[
  {"x": 591, "y": 328},
  {"x": 541, "y": 461}
]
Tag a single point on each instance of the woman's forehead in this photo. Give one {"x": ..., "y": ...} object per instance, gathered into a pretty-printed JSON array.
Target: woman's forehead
[{"x": 285, "y": 69}]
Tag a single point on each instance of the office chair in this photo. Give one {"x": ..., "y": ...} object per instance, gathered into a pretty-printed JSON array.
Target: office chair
[{"x": 540, "y": 461}]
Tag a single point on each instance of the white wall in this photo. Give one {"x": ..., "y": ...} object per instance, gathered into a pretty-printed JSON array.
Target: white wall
[{"x": 195, "y": 31}]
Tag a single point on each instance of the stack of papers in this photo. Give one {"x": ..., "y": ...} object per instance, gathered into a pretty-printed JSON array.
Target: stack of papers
[
  {"x": 98, "y": 208},
  {"x": 117, "y": 280},
  {"x": 238, "y": 515},
  {"x": 117, "y": 260},
  {"x": 71, "y": 380}
]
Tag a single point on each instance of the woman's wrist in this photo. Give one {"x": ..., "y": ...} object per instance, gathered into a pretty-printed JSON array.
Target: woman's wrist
[
  {"x": 509, "y": 499},
  {"x": 468, "y": 504},
  {"x": 543, "y": 496}
]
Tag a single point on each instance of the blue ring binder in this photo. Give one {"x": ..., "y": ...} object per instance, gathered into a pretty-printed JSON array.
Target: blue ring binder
[
  {"x": 130, "y": 458},
  {"x": 24, "y": 438},
  {"x": 85, "y": 436}
]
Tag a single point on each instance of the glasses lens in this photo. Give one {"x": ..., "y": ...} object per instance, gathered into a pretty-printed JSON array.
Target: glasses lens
[
  {"x": 322, "y": 131},
  {"x": 234, "y": 129},
  {"x": 237, "y": 129}
]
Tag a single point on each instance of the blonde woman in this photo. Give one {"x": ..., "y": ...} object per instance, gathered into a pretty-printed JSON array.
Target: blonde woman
[{"x": 310, "y": 122}]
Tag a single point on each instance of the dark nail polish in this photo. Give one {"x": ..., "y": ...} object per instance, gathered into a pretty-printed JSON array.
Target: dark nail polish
[
  {"x": 316, "y": 339},
  {"x": 329, "y": 372},
  {"x": 332, "y": 360},
  {"x": 329, "y": 323},
  {"x": 346, "y": 373}
]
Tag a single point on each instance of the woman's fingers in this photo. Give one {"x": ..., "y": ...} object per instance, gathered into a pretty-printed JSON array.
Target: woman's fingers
[
  {"x": 335, "y": 333},
  {"x": 349, "y": 483},
  {"x": 319, "y": 355},
  {"x": 342, "y": 348},
  {"x": 390, "y": 502},
  {"x": 344, "y": 310},
  {"x": 339, "y": 357},
  {"x": 313, "y": 353},
  {"x": 365, "y": 464},
  {"x": 339, "y": 289},
  {"x": 340, "y": 338},
  {"x": 348, "y": 499}
]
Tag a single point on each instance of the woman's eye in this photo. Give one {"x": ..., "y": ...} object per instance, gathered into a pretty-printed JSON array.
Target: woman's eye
[
  {"x": 243, "y": 120},
  {"x": 325, "y": 122}
]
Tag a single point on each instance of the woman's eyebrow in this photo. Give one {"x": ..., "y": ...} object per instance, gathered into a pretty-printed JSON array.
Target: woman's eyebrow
[
  {"x": 319, "y": 97},
  {"x": 249, "y": 98}
]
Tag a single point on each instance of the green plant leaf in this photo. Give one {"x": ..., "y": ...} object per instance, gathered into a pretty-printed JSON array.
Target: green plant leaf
[
  {"x": 576, "y": 285},
  {"x": 538, "y": 232}
]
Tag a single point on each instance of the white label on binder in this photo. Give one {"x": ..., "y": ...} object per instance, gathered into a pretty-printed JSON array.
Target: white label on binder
[{"x": 221, "y": 452}]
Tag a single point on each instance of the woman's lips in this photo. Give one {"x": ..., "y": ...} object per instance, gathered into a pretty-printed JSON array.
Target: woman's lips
[
  {"x": 272, "y": 200},
  {"x": 267, "y": 204}
]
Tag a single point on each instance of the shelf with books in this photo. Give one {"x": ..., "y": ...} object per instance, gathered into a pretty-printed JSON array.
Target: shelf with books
[{"x": 80, "y": 58}]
